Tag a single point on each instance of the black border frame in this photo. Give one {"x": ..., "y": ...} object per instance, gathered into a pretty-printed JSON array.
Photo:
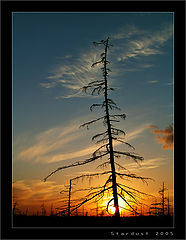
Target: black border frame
[{"x": 7, "y": 7}]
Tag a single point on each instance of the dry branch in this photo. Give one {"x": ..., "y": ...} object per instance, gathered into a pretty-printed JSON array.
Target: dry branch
[
  {"x": 75, "y": 164},
  {"x": 93, "y": 121},
  {"x": 87, "y": 200},
  {"x": 136, "y": 190},
  {"x": 91, "y": 175},
  {"x": 135, "y": 157},
  {"x": 131, "y": 175},
  {"x": 127, "y": 202}
]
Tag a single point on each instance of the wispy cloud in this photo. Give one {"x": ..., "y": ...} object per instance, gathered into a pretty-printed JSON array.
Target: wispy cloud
[
  {"x": 145, "y": 43},
  {"x": 136, "y": 133},
  {"x": 74, "y": 74},
  {"x": 165, "y": 137},
  {"x": 153, "y": 163},
  {"x": 48, "y": 143},
  {"x": 152, "y": 81},
  {"x": 127, "y": 32},
  {"x": 170, "y": 83},
  {"x": 145, "y": 65},
  {"x": 55, "y": 145},
  {"x": 146, "y": 164},
  {"x": 27, "y": 189}
]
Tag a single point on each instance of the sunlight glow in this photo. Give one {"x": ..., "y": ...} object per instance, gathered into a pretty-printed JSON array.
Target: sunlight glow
[{"x": 111, "y": 208}]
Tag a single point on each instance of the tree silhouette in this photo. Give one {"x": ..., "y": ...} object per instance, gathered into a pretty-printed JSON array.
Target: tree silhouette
[
  {"x": 105, "y": 140},
  {"x": 168, "y": 205},
  {"x": 43, "y": 209},
  {"x": 161, "y": 207},
  {"x": 162, "y": 193}
]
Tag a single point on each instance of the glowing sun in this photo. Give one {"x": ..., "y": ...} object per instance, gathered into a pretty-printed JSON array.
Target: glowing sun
[{"x": 111, "y": 208}]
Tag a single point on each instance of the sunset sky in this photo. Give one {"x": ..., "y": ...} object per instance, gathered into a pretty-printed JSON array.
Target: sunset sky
[{"x": 52, "y": 58}]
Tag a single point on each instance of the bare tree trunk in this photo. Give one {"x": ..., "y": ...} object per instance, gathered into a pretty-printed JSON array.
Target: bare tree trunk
[
  {"x": 163, "y": 199},
  {"x": 69, "y": 199},
  {"x": 114, "y": 186},
  {"x": 168, "y": 206}
]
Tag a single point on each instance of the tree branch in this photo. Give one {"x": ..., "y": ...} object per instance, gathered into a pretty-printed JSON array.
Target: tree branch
[
  {"x": 119, "y": 140},
  {"x": 86, "y": 200},
  {"x": 128, "y": 154},
  {"x": 93, "y": 121},
  {"x": 133, "y": 176},
  {"x": 136, "y": 190},
  {"x": 123, "y": 116},
  {"x": 127, "y": 202},
  {"x": 75, "y": 164},
  {"x": 90, "y": 175}
]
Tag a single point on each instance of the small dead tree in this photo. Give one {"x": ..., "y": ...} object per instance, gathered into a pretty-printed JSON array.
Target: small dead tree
[
  {"x": 51, "y": 210},
  {"x": 162, "y": 193},
  {"x": 14, "y": 208},
  {"x": 69, "y": 196},
  {"x": 168, "y": 205},
  {"x": 43, "y": 210},
  {"x": 155, "y": 209},
  {"x": 106, "y": 141},
  {"x": 160, "y": 206}
]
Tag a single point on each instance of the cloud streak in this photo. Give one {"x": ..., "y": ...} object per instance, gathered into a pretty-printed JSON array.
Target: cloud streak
[
  {"x": 130, "y": 42},
  {"x": 127, "y": 32},
  {"x": 74, "y": 74},
  {"x": 165, "y": 137},
  {"x": 48, "y": 143},
  {"x": 147, "y": 164},
  {"x": 55, "y": 145},
  {"x": 140, "y": 43},
  {"x": 153, "y": 81}
]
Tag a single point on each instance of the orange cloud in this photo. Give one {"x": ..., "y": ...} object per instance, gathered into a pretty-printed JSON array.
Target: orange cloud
[
  {"x": 32, "y": 194},
  {"x": 164, "y": 136}
]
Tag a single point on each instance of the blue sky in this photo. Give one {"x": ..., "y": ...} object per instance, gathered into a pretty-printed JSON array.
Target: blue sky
[{"x": 52, "y": 58}]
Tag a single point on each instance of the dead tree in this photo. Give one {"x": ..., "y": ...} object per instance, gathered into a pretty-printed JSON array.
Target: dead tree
[
  {"x": 97, "y": 193},
  {"x": 160, "y": 206},
  {"x": 14, "y": 208},
  {"x": 43, "y": 210},
  {"x": 162, "y": 193},
  {"x": 106, "y": 139},
  {"x": 51, "y": 210},
  {"x": 155, "y": 209},
  {"x": 68, "y": 209},
  {"x": 69, "y": 195},
  {"x": 168, "y": 206}
]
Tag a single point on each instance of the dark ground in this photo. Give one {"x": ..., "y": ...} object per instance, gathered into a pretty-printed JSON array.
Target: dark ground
[{"x": 86, "y": 221}]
